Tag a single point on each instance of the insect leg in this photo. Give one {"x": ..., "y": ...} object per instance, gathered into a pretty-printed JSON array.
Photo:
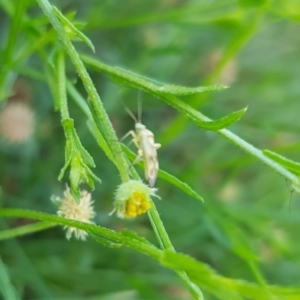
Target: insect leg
[
  {"x": 126, "y": 135},
  {"x": 135, "y": 139},
  {"x": 157, "y": 146},
  {"x": 138, "y": 158}
]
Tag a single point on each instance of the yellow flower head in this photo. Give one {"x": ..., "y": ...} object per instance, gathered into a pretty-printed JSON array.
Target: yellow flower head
[
  {"x": 82, "y": 211},
  {"x": 132, "y": 198}
]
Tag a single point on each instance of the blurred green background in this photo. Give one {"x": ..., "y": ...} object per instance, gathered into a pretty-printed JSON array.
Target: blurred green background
[{"x": 246, "y": 203}]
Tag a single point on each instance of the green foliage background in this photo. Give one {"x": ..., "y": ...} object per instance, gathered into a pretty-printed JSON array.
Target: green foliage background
[{"x": 244, "y": 230}]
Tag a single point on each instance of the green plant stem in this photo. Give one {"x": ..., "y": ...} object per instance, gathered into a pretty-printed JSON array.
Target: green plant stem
[
  {"x": 62, "y": 86},
  {"x": 76, "y": 96},
  {"x": 250, "y": 149},
  {"x": 94, "y": 98},
  {"x": 12, "y": 36},
  {"x": 147, "y": 249}
]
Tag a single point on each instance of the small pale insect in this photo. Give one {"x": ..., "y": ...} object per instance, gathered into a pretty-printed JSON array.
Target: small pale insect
[{"x": 143, "y": 139}]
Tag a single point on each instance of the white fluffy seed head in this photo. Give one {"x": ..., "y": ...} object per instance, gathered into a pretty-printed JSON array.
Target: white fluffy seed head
[{"x": 82, "y": 211}]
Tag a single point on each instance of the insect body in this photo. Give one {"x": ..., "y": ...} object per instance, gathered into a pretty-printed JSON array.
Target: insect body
[{"x": 144, "y": 141}]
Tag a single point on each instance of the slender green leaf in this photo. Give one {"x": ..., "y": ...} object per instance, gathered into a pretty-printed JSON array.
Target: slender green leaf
[
  {"x": 68, "y": 158},
  {"x": 86, "y": 157},
  {"x": 152, "y": 87},
  {"x": 185, "y": 91},
  {"x": 73, "y": 29},
  {"x": 199, "y": 119},
  {"x": 180, "y": 184},
  {"x": 91, "y": 176},
  {"x": 106, "y": 233}
]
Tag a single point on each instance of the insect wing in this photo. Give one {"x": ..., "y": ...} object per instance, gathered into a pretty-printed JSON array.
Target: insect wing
[{"x": 147, "y": 144}]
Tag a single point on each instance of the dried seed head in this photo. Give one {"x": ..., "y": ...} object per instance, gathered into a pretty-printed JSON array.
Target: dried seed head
[
  {"x": 132, "y": 198},
  {"x": 16, "y": 122},
  {"x": 82, "y": 211}
]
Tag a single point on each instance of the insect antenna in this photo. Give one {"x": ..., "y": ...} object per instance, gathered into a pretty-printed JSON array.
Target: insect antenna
[
  {"x": 139, "y": 105},
  {"x": 131, "y": 114}
]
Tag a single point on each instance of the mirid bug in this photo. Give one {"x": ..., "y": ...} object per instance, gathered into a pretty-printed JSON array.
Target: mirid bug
[{"x": 143, "y": 139}]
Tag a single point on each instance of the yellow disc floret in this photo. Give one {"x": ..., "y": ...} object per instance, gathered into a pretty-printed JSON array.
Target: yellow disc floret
[
  {"x": 132, "y": 198},
  {"x": 137, "y": 205}
]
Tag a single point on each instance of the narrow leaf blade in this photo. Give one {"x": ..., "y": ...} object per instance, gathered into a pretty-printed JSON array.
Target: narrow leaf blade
[
  {"x": 185, "y": 91},
  {"x": 71, "y": 27},
  {"x": 201, "y": 121},
  {"x": 165, "y": 93},
  {"x": 224, "y": 122}
]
